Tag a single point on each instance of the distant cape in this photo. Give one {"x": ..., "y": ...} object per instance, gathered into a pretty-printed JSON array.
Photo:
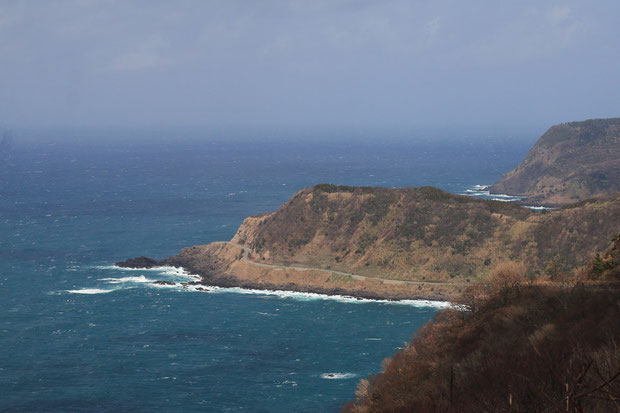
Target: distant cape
[{"x": 570, "y": 162}]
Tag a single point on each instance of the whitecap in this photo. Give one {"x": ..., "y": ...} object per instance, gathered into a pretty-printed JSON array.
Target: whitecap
[
  {"x": 299, "y": 296},
  {"x": 507, "y": 196},
  {"x": 89, "y": 291},
  {"x": 177, "y": 272},
  {"x": 338, "y": 376},
  {"x": 140, "y": 279},
  {"x": 484, "y": 191},
  {"x": 196, "y": 287},
  {"x": 155, "y": 285},
  {"x": 538, "y": 208},
  {"x": 163, "y": 270},
  {"x": 266, "y": 314},
  {"x": 117, "y": 268},
  {"x": 304, "y": 296}
]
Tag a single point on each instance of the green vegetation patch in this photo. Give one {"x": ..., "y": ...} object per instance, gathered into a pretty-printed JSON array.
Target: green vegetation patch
[{"x": 340, "y": 278}]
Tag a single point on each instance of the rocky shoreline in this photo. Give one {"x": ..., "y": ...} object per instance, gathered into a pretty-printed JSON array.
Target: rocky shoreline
[
  {"x": 228, "y": 280},
  {"x": 393, "y": 244}
]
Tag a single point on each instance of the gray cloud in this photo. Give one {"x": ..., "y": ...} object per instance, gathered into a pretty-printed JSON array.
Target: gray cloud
[{"x": 298, "y": 63}]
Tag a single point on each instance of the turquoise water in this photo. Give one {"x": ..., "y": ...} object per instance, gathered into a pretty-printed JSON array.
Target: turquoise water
[{"x": 78, "y": 334}]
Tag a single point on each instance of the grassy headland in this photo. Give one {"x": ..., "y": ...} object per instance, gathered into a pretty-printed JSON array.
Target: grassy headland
[{"x": 399, "y": 243}]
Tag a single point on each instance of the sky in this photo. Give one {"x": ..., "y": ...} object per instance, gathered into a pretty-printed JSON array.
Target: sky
[{"x": 315, "y": 63}]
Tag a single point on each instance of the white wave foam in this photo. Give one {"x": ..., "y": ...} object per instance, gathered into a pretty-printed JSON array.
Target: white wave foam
[
  {"x": 89, "y": 291},
  {"x": 299, "y": 296},
  {"x": 302, "y": 296},
  {"x": 472, "y": 192},
  {"x": 140, "y": 279},
  {"x": 163, "y": 270},
  {"x": 484, "y": 191},
  {"x": 178, "y": 272},
  {"x": 538, "y": 208},
  {"x": 504, "y": 196},
  {"x": 196, "y": 287},
  {"x": 175, "y": 285},
  {"x": 338, "y": 376},
  {"x": 156, "y": 269}
]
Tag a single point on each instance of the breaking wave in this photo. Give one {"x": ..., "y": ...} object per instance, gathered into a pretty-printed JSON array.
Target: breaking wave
[
  {"x": 303, "y": 296},
  {"x": 89, "y": 291},
  {"x": 338, "y": 376},
  {"x": 173, "y": 278}
]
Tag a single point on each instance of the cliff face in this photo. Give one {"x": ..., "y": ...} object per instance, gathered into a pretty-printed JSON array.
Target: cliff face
[
  {"x": 424, "y": 234},
  {"x": 570, "y": 162}
]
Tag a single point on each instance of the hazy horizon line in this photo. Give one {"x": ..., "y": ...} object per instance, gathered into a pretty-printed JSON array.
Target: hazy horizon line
[{"x": 261, "y": 133}]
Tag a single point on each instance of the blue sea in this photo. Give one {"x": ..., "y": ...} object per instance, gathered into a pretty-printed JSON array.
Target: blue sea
[{"x": 80, "y": 335}]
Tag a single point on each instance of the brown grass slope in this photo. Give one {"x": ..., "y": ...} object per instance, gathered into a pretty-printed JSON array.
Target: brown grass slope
[
  {"x": 526, "y": 348},
  {"x": 570, "y": 162},
  {"x": 425, "y": 234}
]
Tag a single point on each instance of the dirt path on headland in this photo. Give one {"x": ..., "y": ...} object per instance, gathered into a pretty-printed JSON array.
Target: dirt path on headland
[{"x": 357, "y": 277}]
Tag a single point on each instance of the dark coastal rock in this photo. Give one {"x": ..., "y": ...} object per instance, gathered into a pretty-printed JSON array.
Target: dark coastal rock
[
  {"x": 163, "y": 283},
  {"x": 139, "y": 262},
  {"x": 196, "y": 284}
]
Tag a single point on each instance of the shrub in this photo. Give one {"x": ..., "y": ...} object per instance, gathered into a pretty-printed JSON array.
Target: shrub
[{"x": 506, "y": 278}]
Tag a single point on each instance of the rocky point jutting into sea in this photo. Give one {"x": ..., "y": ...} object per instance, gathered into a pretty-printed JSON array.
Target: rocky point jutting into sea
[{"x": 395, "y": 243}]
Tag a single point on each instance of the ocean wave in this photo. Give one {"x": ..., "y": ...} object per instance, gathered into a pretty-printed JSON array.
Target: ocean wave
[
  {"x": 304, "y": 296},
  {"x": 538, "y": 208},
  {"x": 502, "y": 199},
  {"x": 484, "y": 191},
  {"x": 89, "y": 291},
  {"x": 174, "y": 272},
  {"x": 504, "y": 196},
  {"x": 298, "y": 296},
  {"x": 161, "y": 270},
  {"x": 338, "y": 376},
  {"x": 140, "y": 279},
  {"x": 196, "y": 287},
  {"x": 157, "y": 285},
  {"x": 178, "y": 272},
  {"x": 476, "y": 193}
]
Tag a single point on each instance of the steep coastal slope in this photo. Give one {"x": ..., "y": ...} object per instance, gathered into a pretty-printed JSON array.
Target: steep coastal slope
[
  {"x": 396, "y": 243},
  {"x": 527, "y": 348},
  {"x": 570, "y": 162},
  {"x": 423, "y": 234}
]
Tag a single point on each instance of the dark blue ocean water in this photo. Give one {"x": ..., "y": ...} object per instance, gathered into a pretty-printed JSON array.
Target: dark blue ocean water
[{"x": 79, "y": 335}]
